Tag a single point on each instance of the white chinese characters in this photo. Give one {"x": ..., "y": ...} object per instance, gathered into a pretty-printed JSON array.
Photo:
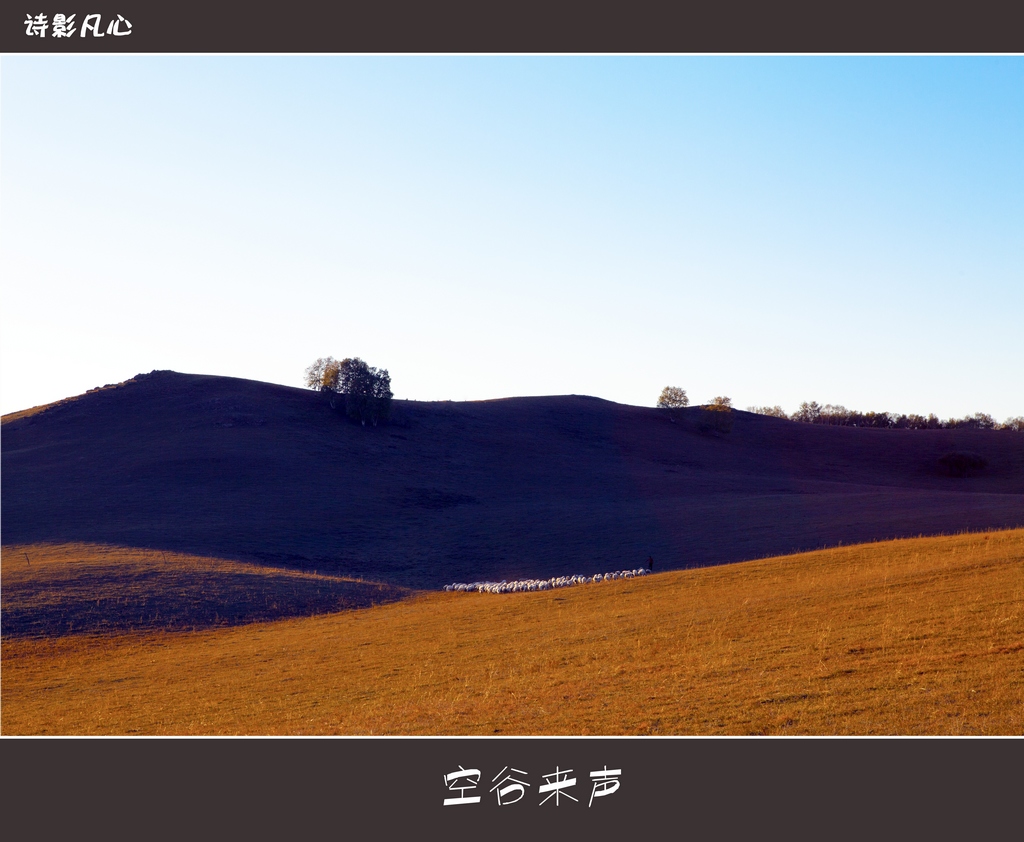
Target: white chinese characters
[
  {"x": 605, "y": 783},
  {"x": 510, "y": 786},
  {"x": 509, "y": 789},
  {"x": 36, "y": 25},
  {"x": 461, "y": 782},
  {"x": 64, "y": 26},
  {"x": 554, "y": 787}
]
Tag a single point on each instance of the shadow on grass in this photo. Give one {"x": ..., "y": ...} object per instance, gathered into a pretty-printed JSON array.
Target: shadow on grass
[{"x": 120, "y": 598}]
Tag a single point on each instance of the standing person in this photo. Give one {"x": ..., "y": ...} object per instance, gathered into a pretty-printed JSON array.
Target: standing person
[{"x": 650, "y": 564}]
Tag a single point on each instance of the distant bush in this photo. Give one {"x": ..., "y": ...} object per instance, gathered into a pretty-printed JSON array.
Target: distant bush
[
  {"x": 960, "y": 463},
  {"x": 716, "y": 416}
]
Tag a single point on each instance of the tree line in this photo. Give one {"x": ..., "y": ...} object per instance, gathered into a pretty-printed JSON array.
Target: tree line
[
  {"x": 837, "y": 415},
  {"x": 365, "y": 390}
]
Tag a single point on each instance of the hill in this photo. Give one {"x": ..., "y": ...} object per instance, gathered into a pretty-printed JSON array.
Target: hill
[
  {"x": 503, "y": 489},
  {"x": 54, "y": 590},
  {"x": 919, "y": 636}
]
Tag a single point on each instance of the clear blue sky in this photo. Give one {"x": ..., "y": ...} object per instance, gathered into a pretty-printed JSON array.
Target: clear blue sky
[{"x": 775, "y": 229}]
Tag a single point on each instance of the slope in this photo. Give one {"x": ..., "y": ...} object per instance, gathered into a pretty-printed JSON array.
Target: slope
[
  {"x": 502, "y": 489},
  {"x": 920, "y": 636}
]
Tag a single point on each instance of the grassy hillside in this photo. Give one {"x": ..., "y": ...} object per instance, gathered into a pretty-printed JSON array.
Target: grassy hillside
[
  {"x": 54, "y": 590},
  {"x": 505, "y": 489},
  {"x": 920, "y": 636}
]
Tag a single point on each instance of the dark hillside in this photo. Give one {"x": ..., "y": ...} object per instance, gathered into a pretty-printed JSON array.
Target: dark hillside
[{"x": 480, "y": 490}]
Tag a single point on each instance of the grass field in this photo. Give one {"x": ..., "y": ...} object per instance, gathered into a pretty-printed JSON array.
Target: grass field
[{"x": 918, "y": 636}]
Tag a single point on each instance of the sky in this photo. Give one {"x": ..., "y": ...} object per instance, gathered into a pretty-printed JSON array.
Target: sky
[{"x": 848, "y": 230}]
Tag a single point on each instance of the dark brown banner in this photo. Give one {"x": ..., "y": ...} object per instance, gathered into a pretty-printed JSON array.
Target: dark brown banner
[{"x": 457, "y": 26}]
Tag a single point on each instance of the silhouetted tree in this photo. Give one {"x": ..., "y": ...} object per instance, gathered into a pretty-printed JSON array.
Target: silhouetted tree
[
  {"x": 672, "y": 397},
  {"x": 380, "y": 407},
  {"x": 835, "y": 415},
  {"x": 367, "y": 391},
  {"x": 808, "y": 413}
]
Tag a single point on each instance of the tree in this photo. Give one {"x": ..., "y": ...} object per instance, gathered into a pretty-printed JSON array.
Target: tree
[
  {"x": 984, "y": 421},
  {"x": 672, "y": 397},
  {"x": 881, "y": 420},
  {"x": 772, "y": 411},
  {"x": 382, "y": 396},
  {"x": 808, "y": 413},
  {"x": 367, "y": 391},
  {"x": 834, "y": 414},
  {"x": 323, "y": 375}
]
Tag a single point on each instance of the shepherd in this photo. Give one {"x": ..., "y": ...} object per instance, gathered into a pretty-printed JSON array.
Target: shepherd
[{"x": 650, "y": 564}]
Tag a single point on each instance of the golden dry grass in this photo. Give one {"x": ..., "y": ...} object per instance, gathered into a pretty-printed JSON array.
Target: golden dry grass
[{"x": 921, "y": 636}]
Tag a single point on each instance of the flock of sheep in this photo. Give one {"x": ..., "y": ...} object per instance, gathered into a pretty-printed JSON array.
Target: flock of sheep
[{"x": 543, "y": 584}]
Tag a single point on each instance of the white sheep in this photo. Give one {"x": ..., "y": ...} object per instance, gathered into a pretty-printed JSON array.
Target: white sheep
[{"x": 524, "y": 585}]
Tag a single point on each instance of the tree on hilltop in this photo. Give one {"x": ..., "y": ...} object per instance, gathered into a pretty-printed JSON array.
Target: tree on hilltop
[
  {"x": 672, "y": 397},
  {"x": 323, "y": 375},
  {"x": 717, "y": 415},
  {"x": 367, "y": 390}
]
